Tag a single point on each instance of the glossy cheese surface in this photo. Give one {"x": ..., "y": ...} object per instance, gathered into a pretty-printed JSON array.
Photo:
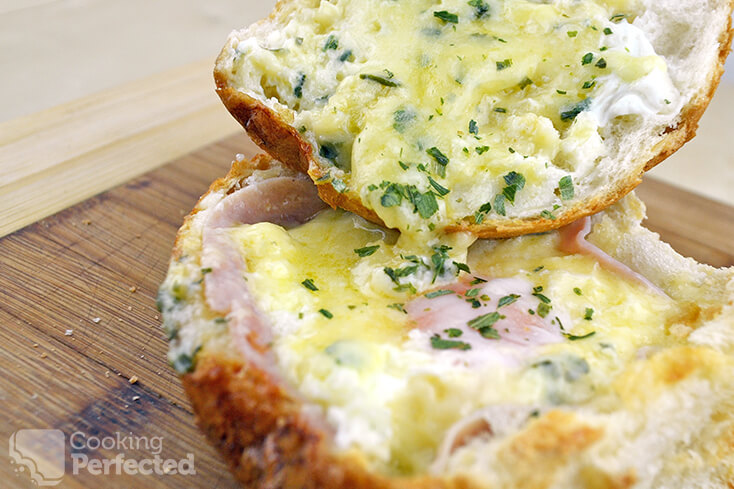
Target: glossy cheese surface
[
  {"x": 433, "y": 112},
  {"x": 397, "y": 342}
]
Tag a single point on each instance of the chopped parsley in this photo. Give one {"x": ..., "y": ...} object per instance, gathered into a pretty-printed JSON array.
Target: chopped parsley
[
  {"x": 602, "y": 63},
  {"x": 440, "y": 158},
  {"x": 329, "y": 152},
  {"x": 453, "y": 332},
  {"x": 438, "y": 293},
  {"x": 485, "y": 320},
  {"x": 331, "y": 43},
  {"x": 481, "y": 149},
  {"x": 298, "y": 89},
  {"x": 367, "y": 250},
  {"x": 589, "y": 84},
  {"x": 572, "y": 33},
  {"x": 577, "y": 291},
  {"x": 588, "y": 314},
  {"x": 346, "y": 55},
  {"x": 499, "y": 204},
  {"x": 481, "y": 8},
  {"x": 500, "y": 110},
  {"x": 339, "y": 185},
  {"x": 515, "y": 182},
  {"x": 478, "y": 280},
  {"x": 473, "y": 127},
  {"x": 482, "y": 212},
  {"x": 608, "y": 31},
  {"x": 501, "y": 65},
  {"x": 206, "y": 270},
  {"x": 561, "y": 92},
  {"x": 402, "y": 119},
  {"x": 543, "y": 309},
  {"x": 582, "y": 337},
  {"x": 472, "y": 292},
  {"x": 398, "y": 307},
  {"x": 308, "y": 283},
  {"x": 440, "y": 190},
  {"x": 507, "y": 300},
  {"x": 525, "y": 82},
  {"x": 326, "y": 313},
  {"x": 574, "y": 111},
  {"x": 565, "y": 185},
  {"x": 386, "y": 81},
  {"x": 441, "y": 344},
  {"x": 546, "y": 214},
  {"x": 616, "y": 18},
  {"x": 587, "y": 59},
  {"x": 446, "y": 16}
]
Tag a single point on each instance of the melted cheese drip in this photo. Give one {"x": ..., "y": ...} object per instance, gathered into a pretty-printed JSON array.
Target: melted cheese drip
[
  {"x": 385, "y": 93},
  {"x": 372, "y": 368}
]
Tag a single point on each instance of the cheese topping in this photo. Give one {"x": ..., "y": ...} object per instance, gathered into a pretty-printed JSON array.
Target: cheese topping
[
  {"x": 435, "y": 112},
  {"x": 398, "y": 341}
]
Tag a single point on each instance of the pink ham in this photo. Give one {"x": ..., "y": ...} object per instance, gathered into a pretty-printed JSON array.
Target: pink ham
[
  {"x": 285, "y": 201},
  {"x": 573, "y": 241}
]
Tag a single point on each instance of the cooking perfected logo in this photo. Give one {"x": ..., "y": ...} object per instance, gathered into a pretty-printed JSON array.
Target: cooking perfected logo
[{"x": 40, "y": 453}]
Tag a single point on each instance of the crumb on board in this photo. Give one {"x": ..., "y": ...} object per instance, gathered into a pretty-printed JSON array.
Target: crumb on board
[
  {"x": 136, "y": 398},
  {"x": 96, "y": 320},
  {"x": 86, "y": 222},
  {"x": 44, "y": 355},
  {"x": 132, "y": 289},
  {"x": 133, "y": 379},
  {"x": 69, "y": 332}
]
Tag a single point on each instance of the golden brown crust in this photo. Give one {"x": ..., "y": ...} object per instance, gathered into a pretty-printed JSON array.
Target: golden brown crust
[
  {"x": 276, "y": 137},
  {"x": 268, "y": 441}
]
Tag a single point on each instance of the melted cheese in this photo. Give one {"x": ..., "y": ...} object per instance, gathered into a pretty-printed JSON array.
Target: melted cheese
[
  {"x": 358, "y": 348},
  {"x": 459, "y": 94}
]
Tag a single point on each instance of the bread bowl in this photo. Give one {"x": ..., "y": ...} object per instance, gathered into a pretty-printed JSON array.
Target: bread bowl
[
  {"x": 313, "y": 359},
  {"x": 497, "y": 117}
]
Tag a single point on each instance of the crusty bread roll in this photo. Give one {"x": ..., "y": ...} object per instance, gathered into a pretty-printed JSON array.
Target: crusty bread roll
[
  {"x": 618, "y": 374},
  {"x": 498, "y": 117}
]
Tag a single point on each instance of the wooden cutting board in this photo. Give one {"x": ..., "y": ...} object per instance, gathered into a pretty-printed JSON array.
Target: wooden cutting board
[{"x": 82, "y": 348}]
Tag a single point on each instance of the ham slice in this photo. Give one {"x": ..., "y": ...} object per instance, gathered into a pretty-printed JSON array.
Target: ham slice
[
  {"x": 573, "y": 241},
  {"x": 286, "y": 201}
]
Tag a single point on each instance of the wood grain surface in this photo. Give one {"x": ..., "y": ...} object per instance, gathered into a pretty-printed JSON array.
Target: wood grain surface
[{"x": 82, "y": 346}]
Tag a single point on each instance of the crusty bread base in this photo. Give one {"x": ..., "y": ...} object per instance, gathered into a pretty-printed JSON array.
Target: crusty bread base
[
  {"x": 269, "y": 443},
  {"x": 275, "y": 136}
]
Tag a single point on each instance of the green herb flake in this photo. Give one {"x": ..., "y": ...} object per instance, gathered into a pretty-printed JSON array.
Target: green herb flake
[
  {"x": 582, "y": 337},
  {"x": 515, "y": 179},
  {"x": 326, "y": 313},
  {"x": 502, "y": 65},
  {"x": 367, "y": 250},
  {"x": 537, "y": 269},
  {"x": 587, "y": 58},
  {"x": 329, "y": 152},
  {"x": 561, "y": 92},
  {"x": 608, "y": 31},
  {"x": 402, "y": 118},
  {"x": 602, "y": 63},
  {"x": 588, "y": 314},
  {"x": 298, "y": 89},
  {"x": 577, "y": 291},
  {"x": 439, "y": 343},
  {"x": 473, "y": 127},
  {"x": 485, "y": 320},
  {"x": 346, "y": 56},
  {"x": 438, "y": 293},
  {"x": 425, "y": 204},
  {"x": 482, "y": 212},
  {"x": 472, "y": 292},
  {"x": 546, "y": 214},
  {"x": 499, "y": 204},
  {"x": 453, "y": 332},
  {"x": 339, "y": 185},
  {"x": 500, "y": 110},
  {"x": 507, "y": 300},
  {"x": 331, "y": 43},
  {"x": 380, "y": 79},
  {"x": 543, "y": 309},
  {"x": 589, "y": 84},
  {"x": 572, "y": 33},
  {"x": 398, "y": 307},
  {"x": 525, "y": 82},
  {"x": 441, "y": 190},
  {"x": 571, "y": 114},
  {"x": 565, "y": 185},
  {"x": 206, "y": 270},
  {"x": 616, "y": 18},
  {"x": 308, "y": 283},
  {"x": 477, "y": 281},
  {"x": 481, "y": 8},
  {"x": 481, "y": 149},
  {"x": 446, "y": 16},
  {"x": 437, "y": 155},
  {"x": 541, "y": 297}
]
